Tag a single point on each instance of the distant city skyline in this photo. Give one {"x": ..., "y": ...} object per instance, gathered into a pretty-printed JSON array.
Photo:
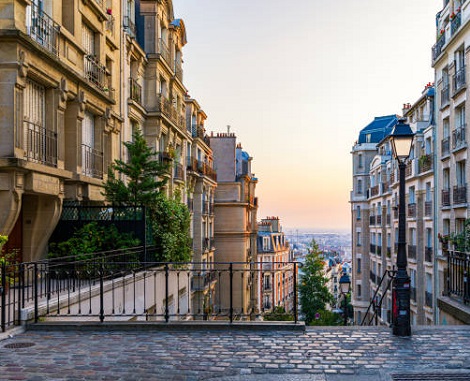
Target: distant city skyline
[{"x": 298, "y": 81}]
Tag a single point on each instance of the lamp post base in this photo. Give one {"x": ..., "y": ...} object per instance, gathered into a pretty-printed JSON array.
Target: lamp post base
[{"x": 401, "y": 324}]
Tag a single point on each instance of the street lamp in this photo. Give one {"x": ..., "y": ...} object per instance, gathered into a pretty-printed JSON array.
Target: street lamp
[
  {"x": 345, "y": 287},
  {"x": 401, "y": 139}
]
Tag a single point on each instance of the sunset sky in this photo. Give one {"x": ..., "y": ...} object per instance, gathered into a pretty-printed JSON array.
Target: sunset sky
[{"x": 297, "y": 80}]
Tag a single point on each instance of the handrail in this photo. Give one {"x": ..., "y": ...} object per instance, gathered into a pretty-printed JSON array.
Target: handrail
[{"x": 391, "y": 275}]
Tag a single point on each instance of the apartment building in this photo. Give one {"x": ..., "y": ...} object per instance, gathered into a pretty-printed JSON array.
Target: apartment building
[
  {"x": 450, "y": 55},
  {"x": 60, "y": 115},
  {"x": 274, "y": 257},
  {"x": 364, "y": 152},
  {"x": 200, "y": 187},
  {"x": 381, "y": 202},
  {"x": 236, "y": 228}
]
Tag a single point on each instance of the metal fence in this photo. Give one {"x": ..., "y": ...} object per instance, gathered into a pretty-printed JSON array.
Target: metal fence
[
  {"x": 117, "y": 286},
  {"x": 458, "y": 283}
]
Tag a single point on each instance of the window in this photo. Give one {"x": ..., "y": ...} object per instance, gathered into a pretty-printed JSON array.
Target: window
[
  {"x": 359, "y": 186},
  {"x": 359, "y": 290},
  {"x": 411, "y": 195},
  {"x": 358, "y": 212},
  {"x": 428, "y": 192},
  {"x": 460, "y": 173},
  {"x": 360, "y": 161},
  {"x": 92, "y": 159},
  {"x": 358, "y": 239},
  {"x": 446, "y": 178},
  {"x": 358, "y": 265},
  {"x": 39, "y": 143},
  {"x": 428, "y": 237},
  {"x": 368, "y": 138},
  {"x": 445, "y": 128},
  {"x": 460, "y": 117}
]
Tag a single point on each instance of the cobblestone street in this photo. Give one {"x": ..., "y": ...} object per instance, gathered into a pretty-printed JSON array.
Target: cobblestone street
[{"x": 316, "y": 354}]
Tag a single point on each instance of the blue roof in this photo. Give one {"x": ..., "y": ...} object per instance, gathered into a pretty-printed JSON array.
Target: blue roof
[
  {"x": 379, "y": 128},
  {"x": 176, "y": 22}
]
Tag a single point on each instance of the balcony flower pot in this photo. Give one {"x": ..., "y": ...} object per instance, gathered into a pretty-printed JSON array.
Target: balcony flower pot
[{"x": 109, "y": 11}]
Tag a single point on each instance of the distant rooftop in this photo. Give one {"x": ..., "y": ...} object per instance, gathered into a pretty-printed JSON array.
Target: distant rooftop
[{"x": 375, "y": 131}]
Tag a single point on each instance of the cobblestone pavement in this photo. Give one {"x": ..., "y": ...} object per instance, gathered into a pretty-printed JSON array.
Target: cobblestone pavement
[{"x": 318, "y": 354}]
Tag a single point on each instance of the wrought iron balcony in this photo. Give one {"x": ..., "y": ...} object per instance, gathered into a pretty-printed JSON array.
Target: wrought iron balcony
[
  {"x": 425, "y": 163},
  {"x": 374, "y": 191},
  {"x": 371, "y": 220},
  {"x": 445, "y": 195},
  {"x": 165, "y": 106},
  {"x": 372, "y": 248},
  {"x": 129, "y": 26},
  {"x": 428, "y": 299},
  {"x": 43, "y": 29},
  {"x": 445, "y": 95},
  {"x": 164, "y": 51},
  {"x": 437, "y": 48},
  {"x": 179, "y": 70},
  {"x": 455, "y": 23},
  {"x": 409, "y": 168},
  {"x": 460, "y": 194},
  {"x": 458, "y": 137},
  {"x": 95, "y": 72},
  {"x": 459, "y": 80},
  {"x": 445, "y": 146},
  {"x": 41, "y": 144},
  {"x": 92, "y": 162},
  {"x": 135, "y": 91},
  {"x": 458, "y": 279},
  {"x": 428, "y": 208},
  {"x": 378, "y": 219}
]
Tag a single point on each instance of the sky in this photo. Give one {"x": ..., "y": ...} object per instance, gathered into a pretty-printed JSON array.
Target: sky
[{"x": 297, "y": 80}]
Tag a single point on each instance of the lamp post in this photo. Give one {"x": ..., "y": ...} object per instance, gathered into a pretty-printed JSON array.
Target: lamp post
[
  {"x": 345, "y": 287},
  {"x": 401, "y": 139}
]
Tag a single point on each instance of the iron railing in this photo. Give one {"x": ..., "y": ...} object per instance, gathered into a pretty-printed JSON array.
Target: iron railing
[
  {"x": 445, "y": 195},
  {"x": 92, "y": 162},
  {"x": 373, "y": 311},
  {"x": 164, "y": 51},
  {"x": 428, "y": 208},
  {"x": 411, "y": 210},
  {"x": 437, "y": 48},
  {"x": 458, "y": 137},
  {"x": 445, "y": 146},
  {"x": 41, "y": 144},
  {"x": 43, "y": 29},
  {"x": 460, "y": 194},
  {"x": 95, "y": 72},
  {"x": 458, "y": 282},
  {"x": 428, "y": 254},
  {"x": 455, "y": 23},
  {"x": 120, "y": 287},
  {"x": 135, "y": 90},
  {"x": 412, "y": 252},
  {"x": 445, "y": 95}
]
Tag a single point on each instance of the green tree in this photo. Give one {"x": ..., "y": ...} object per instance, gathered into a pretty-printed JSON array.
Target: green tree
[
  {"x": 461, "y": 240},
  {"x": 171, "y": 221},
  {"x": 314, "y": 294},
  {"x": 143, "y": 175}
]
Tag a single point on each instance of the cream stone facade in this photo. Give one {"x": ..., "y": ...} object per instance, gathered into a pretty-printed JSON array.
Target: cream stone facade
[
  {"x": 235, "y": 223},
  {"x": 275, "y": 265},
  {"x": 450, "y": 56}
]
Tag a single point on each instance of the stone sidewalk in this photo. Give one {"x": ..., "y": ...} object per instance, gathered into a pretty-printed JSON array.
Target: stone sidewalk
[{"x": 101, "y": 352}]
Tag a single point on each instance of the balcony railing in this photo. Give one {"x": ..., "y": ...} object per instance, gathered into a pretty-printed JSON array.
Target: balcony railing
[
  {"x": 373, "y": 278},
  {"x": 458, "y": 277},
  {"x": 411, "y": 251},
  {"x": 95, "y": 72},
  {"x": 455, "y": 23},
  {"x": 166, "y": 108},
  {"x": 459, "y": 80},
  {"x": 389, "y": 219},
  {"x": 129, "y": 26},
  {"x": 445, "y": 146},
  {"x": 389, "y": 252},
  {"x": 437, "y": 48},
  {"x": 378, "y": 219},
  {"x": 372, "y": 248},
  {"x": 428, "y": 209},
  {"x": 374, "y": 191},
  {"x": 409, "y": 168},
  {"x": 445, "y": 95},
  {"x": 371, "y": 220},
  {"x": 135, "y": 90},
  {"x": 445, "y": 195},
  {"x": 411, "y": 210},
  {"x": 425, "y": 163},
  {"x": 164, "y": 51},
  {"x": 41, "y": 144},
  {"x": 43, "y": 29},
  {"x": 428, "y": 299},
  {"x": 92, "y": 162},
  {"x": 460, "y": 194},
  {"x": 178, "y": 70},
  {"x": 428, "y": 257}
]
